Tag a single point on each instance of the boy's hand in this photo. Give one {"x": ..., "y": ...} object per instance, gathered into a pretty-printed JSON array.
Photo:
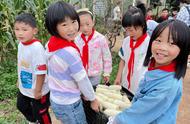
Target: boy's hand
[
  {"x": 39, "y": 83},
  {"x": 95, "y": 105},
  {"x": 37, "y": 94}
]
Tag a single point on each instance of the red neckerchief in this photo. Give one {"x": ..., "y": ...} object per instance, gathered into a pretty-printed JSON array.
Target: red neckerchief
[
  {"x": 132, "y": 56},
  {"x": 30, "y": 42},
  {"x": 85, "y": 49},
  {"x": 148, "y": 18},
  {"x": 56, "y": 43},
  {"x": 169, "y": 68},
  {"x": 164, "y": 17}
]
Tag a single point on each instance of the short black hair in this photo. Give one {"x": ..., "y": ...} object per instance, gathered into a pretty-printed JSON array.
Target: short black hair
[
  {"x": 56, "y": 13},
  {"x": 165, "y": 9},
  {"x": 175, "y": 9},
  {"x": 149, "y": 9},
  {"x": 26, "y": 18},
  {"x": 134, "y": 17},
  {"x": 180, "y": 35}
]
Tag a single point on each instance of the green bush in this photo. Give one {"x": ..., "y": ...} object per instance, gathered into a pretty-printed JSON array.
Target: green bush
[
  {"x": 99, "y": 25},
  {"x": 115, "y": 65},
  {"x": 8, "y": 79}
]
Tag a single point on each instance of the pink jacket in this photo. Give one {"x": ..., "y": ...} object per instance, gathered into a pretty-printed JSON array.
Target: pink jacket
[{"x": 100, "y": 60}]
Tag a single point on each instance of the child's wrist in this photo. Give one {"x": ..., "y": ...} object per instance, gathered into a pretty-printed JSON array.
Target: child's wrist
[
  {"x": 93, "y": 101},
  {"x": 38, "y": 90}
]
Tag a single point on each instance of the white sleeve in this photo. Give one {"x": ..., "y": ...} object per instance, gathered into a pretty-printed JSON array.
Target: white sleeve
[
  {"x": 39, "y": 59},
  {"x": 123, "y": 48}
]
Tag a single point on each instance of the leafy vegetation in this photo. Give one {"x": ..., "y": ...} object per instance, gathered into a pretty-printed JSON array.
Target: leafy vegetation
[
  {"x": 115, "y": 64},
  {"x": 8, "y": 11},
  {"x": 8, "y": 80}
]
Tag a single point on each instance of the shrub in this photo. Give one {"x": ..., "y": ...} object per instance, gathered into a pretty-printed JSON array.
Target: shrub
[{"x": 8, "y": 79}]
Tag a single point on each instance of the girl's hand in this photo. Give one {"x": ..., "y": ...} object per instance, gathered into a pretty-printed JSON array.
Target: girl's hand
[
  {"x": 106, "y": 79},
  {"x": 117, "y": 81},
  {"x": 84, "y": 98},
  {"x": 95, "y": 105},
  {"x": 37, "y": 94}
]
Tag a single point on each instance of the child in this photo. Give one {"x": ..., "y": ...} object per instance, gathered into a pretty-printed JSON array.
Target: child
[
  {"x": 94, "y": 48},
  {"x": 174, "y": 12},
  {"x": 164, "y": 15},
  {"x": 151, "y": 24},
  {"x": 117, "y": 11},
  {"x": 159, "y": 93},
  {"x": 67, "y": 77},
  {"x": 33, "y": 96},
  {"x": 149, "y": 14},
  {"x": 132, "y": 52},
  {"x": 184, "y": 16},
  {"x": 184, "y": 12}
]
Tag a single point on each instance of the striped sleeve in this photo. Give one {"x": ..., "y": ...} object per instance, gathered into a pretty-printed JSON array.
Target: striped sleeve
[
  {"x": 78, "y": 73},
  {"x": 73, "y": 60}
]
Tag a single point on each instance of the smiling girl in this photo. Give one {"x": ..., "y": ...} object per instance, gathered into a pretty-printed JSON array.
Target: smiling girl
[
  {"x": 67, "y": 77},
  {"x": 159, "y": 93}
]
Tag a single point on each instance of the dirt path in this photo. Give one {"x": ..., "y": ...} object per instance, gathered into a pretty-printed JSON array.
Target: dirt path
[{"x": 184, "y": 108}]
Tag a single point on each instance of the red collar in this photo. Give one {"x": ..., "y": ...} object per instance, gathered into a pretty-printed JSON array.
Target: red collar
[
  {"x": 169, "y": 68},
  {"x": 148, "y": 18},
  {"x": 56, "y": 43},
  {"x": 165, "y": 17},
  {"x": 30, "y": 42}
]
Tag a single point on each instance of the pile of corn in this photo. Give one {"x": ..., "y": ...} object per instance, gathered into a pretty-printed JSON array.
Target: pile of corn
[{"x": 111, "y": 100}]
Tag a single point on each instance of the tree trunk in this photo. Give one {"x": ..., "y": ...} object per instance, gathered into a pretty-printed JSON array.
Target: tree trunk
[{"x": 83, "y": 3}]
